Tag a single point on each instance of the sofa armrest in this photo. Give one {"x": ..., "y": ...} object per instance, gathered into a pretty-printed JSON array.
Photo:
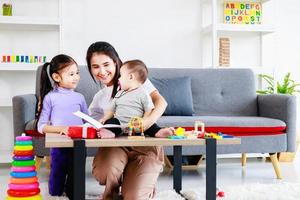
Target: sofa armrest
[
  {"x": 24, "y": 108},
  {"x": 283, "y": 107}
]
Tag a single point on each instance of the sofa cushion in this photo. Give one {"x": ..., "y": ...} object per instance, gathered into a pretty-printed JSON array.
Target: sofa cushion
[
  {"x": 242, "y": 126},
  {"x": 217, "y": 92},
  {"x": 178, "y": 94}
]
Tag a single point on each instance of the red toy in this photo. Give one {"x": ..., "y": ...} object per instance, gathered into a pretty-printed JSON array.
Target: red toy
[
  {"x": 220, "y": 193},
  {"x": 82, "y": 132}
]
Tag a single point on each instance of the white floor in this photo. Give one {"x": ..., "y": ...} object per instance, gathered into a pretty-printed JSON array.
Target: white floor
[{"x": 229, "y": 172}]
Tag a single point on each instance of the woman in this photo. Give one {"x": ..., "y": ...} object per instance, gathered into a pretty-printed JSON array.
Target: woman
[{"x": 139, "y": 166}]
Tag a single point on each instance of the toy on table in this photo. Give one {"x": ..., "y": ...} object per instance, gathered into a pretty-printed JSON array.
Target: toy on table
[
  {"x": 82, "y": 132},
  {"x": 179, "y": 134},
  {"x": 23, "y": 184},
  {"x": 180, "y": 131},
  {"x": 213, "y": 135},
  {"x": 225, "y": 135},
  {"x": 196, "y": 133},
  {"x": 217, "y": 136},
  {"x": 135, "y": 128}
]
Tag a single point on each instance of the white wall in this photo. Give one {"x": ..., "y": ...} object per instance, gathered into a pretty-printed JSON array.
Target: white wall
[{"x": 162, "y": 33}]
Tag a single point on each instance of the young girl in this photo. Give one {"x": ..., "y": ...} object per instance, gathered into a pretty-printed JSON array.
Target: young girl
[{"x": 58, "y": 101}]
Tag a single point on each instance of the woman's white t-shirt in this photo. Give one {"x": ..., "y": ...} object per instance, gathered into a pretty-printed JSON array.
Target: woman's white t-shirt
[{"x": 102, "y": 99}]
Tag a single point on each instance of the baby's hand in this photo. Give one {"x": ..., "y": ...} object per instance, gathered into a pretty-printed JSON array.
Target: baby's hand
[
  {"x": 102, "y": 120},
  {"x": 104, "y": 133},
  {"x": 165, "y": 132}
]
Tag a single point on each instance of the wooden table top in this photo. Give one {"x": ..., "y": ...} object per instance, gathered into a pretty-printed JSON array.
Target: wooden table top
[{"x": 57, "y": 140}]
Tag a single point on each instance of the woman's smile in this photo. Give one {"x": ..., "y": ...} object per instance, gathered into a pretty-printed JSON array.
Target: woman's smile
[{"x": 103, "y": 68}]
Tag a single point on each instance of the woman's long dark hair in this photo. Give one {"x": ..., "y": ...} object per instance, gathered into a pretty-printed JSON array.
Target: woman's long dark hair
[
  {"x": 108, "y": 50},
  {"x": 57, "y": 63}
]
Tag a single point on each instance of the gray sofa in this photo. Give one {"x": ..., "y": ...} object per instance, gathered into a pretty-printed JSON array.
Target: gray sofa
[{"x": 224, "y": 99}]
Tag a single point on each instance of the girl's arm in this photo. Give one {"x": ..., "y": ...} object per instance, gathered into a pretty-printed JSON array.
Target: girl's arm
[
  {"x": 56, "y": 129},
  {"x": 160, "y": 105}
]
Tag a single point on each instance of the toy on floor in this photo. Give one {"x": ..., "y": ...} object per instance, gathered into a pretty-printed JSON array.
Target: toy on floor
[
  {"x": 220, "y": 193},
  {"x": 23, "y": 184},
  {"x": 136, "y": 127}
]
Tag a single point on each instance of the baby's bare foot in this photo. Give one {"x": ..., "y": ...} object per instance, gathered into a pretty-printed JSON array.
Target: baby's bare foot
[
  {"x": 104, "y": 133},
  {"x": 165, "y": 132}
]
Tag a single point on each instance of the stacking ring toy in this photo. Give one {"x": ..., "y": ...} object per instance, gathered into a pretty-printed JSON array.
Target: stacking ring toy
[
  {"x": 23, "y": 180},
  {"x": 23, "y": 174},
  {"x": 23, "y": 148},
  {"x": 23, "y": 153},
  {"x": 22, "y": 143},
  {"x": 23, "y": 138},
  {"x": 23, "y": 157},
  {"x": 23, "y": 193},
  {"x": 27, "y": 186},
  {"x": 24, "y": 163},
  {"x": 36, "y": 197},
  {"x": 23, "y": 169}
]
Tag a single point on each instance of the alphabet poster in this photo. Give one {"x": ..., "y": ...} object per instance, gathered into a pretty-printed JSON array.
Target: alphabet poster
[{"x": 242, "y": 12}]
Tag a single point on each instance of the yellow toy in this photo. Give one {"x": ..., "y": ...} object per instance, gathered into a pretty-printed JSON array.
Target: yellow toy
[
  {"x": 180, "y": 131},
  {"x": 213, "y": 135},
  {"x": 136, "y": 127}
]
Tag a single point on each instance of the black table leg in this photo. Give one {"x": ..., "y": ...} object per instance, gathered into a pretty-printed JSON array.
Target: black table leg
[
  {"x": 79, "y": 159},
  {"x": 211, "y": 174},
  {"x": 177, "y": 171}
]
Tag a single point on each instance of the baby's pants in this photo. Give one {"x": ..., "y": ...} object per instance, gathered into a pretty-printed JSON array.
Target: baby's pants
[
  {"x": 140, "y": 167},
  {"x": 60, "y": 178}
]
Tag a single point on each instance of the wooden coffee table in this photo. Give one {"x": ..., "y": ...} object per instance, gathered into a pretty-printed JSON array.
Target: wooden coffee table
[{"x": 79, "y": 159}]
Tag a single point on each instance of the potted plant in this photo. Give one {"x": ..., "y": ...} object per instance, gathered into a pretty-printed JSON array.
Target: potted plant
[{"x": 288, "y": 86}]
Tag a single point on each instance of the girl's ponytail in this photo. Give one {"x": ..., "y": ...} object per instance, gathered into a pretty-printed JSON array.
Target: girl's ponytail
[
  {"x": 45, "y": 88},
  {"x": 45, "y": 83}
]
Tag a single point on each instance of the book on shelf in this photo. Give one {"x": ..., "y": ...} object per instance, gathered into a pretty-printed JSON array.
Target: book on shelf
[{"x": 242, "y": 12}]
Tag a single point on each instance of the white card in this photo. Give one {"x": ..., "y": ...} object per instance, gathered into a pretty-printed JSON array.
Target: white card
[{"x": 94, "y": 122}]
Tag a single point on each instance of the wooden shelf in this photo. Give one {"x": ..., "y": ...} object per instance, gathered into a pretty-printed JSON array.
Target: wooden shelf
[
  {"x": 19, "y": 66},
  {"x": 222, "y": 28}
]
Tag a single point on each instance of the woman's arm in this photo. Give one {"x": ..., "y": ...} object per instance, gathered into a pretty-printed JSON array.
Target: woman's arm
[
  {"x": 160, "y": 105},
  {"x": 109, "y": 114}
]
